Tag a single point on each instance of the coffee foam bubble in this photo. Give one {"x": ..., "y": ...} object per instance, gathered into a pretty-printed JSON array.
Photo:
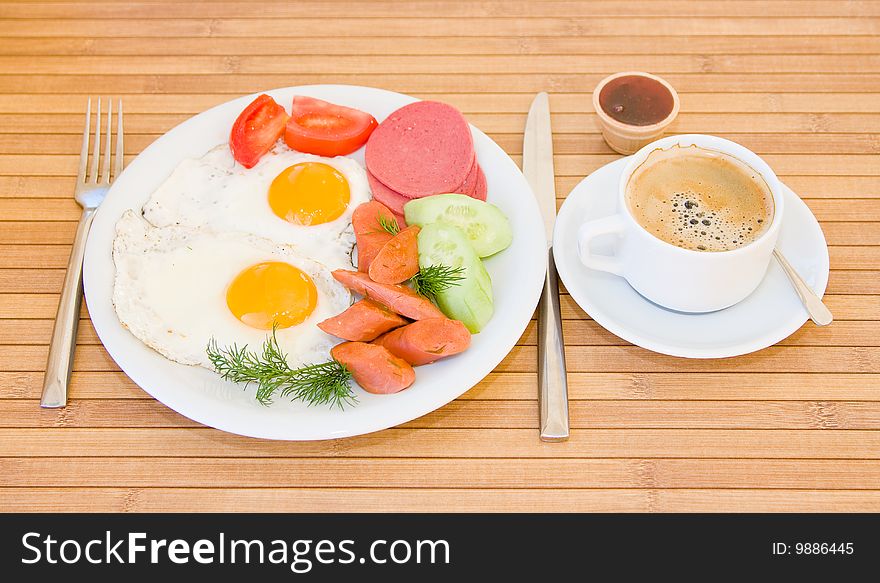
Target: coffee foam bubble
[{"x": 700, "y": 200}]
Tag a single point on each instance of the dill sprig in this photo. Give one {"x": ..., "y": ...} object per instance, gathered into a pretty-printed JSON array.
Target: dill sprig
[
  {"x": 389, "y": 224},
  {"x": 432, "y": 280},
  {"x": 316, "y": 384}
]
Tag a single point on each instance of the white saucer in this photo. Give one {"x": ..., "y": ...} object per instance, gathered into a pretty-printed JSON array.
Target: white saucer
[{"x": 772, "y": 312}]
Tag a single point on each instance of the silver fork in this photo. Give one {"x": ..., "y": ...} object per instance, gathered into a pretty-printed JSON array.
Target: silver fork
[{"x": 90, "y": 191}]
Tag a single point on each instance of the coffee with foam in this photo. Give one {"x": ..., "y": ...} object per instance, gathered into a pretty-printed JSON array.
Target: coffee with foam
[{"x": 699, "y": 199}]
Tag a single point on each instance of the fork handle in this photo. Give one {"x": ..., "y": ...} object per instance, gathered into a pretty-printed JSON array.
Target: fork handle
[{"x": 63, "y": 344}]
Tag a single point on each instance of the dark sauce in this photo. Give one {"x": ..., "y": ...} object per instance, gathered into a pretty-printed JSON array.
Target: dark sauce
[{"x": 636, "y": 100}]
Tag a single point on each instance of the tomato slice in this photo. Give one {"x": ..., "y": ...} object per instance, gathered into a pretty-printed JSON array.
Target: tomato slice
[
  {"x": 256, "y": 130},
  {"x": 325, "y": 129}
]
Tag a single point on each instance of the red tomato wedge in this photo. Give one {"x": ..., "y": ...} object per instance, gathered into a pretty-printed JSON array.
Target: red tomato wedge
[
  {"x": 325, "y": 129},
  {"x": 256, "y": 130}
]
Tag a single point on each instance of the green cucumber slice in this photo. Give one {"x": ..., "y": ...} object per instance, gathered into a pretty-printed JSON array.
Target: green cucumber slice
[
  {"x": 485, "y": 225},
  {"x": 471, "y": 300}
]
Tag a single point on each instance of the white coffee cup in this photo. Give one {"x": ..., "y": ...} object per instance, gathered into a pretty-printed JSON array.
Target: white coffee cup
[{"x": 677, "y": 278}]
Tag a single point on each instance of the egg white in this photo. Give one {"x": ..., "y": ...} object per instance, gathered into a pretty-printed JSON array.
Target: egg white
[
  {"x": 170, "y": 291},
  {"x": 215, "y": 192}
]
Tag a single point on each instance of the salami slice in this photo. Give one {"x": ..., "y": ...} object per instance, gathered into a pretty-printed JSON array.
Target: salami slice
[
  {"x": 421, "y": 149},
  {"x": 470, "y": 182},
  {"x": 390, "y": 198},
  {"x": 480, "y": 187}
]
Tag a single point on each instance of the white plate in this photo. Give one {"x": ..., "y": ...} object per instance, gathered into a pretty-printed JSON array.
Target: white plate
[
  {"x": 517, "y": 274},
  {"x": 772, "y": 312}
]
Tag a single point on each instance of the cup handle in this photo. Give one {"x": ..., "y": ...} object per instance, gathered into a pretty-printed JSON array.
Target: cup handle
[{"x": 597, "y": 228}]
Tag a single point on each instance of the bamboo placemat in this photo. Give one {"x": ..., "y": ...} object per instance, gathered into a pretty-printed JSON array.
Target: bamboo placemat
[{"x": 790, "y": 428}]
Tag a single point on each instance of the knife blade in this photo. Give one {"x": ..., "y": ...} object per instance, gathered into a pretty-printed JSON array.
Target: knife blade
[{"x": 537, "y": 166}]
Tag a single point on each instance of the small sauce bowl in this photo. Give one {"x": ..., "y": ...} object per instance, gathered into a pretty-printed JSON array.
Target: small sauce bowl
[{"x": 634, "y": 109}]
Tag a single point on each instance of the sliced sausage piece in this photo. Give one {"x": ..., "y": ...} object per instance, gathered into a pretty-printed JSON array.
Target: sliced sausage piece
[
  {"x": 401, "y": 220},
  {"x": 467, "y": 187},
  {"x": 395, "y": 297},
  {"x": 421, "y": 149},
  {"x": 374, "y": 368},
  {"x": 368, "y": 232},
  {"x": 398, "y": 260},
  {"x": 390, "y": 198},
  {"x": 480, "y": 186},
  {"x": 363, "y": 321},
  {"x": 426, "y": 341}
]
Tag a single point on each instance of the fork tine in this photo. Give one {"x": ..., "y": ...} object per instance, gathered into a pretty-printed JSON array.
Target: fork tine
[
  {"x": 84, "y": 154},
  {"x": 105, "y": 163},
  {"x": 120, "y": 150},
  {"x": 96, "y": 152}
]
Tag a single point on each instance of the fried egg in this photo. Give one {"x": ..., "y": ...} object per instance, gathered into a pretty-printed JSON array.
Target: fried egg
[
  {"x": 178, "y": 287},
  {"x": 288, "y": 197}
]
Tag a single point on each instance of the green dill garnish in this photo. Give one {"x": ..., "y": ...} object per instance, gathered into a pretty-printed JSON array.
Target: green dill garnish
[
  {"x": 316, "y": 384},
  {"x": 432, "y": 280},
  {"x": 389, "y": 224}
]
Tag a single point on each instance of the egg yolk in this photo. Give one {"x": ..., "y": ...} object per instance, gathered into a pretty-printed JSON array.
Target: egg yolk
[
  {"x": 309, "y": 193},
  {"x": 272, "y": 292}
]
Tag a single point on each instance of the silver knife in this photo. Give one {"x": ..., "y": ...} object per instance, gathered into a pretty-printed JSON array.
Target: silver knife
[{"x": 537, "y": 166}]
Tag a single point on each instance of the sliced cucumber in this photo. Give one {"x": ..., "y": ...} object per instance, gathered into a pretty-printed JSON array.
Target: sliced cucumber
[
  {"x": 471, "y": 300},
  {"x": 485, "y": 225}
]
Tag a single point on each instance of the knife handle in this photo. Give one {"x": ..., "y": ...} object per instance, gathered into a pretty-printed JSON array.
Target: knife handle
[{"x": 553, "y": 385}]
